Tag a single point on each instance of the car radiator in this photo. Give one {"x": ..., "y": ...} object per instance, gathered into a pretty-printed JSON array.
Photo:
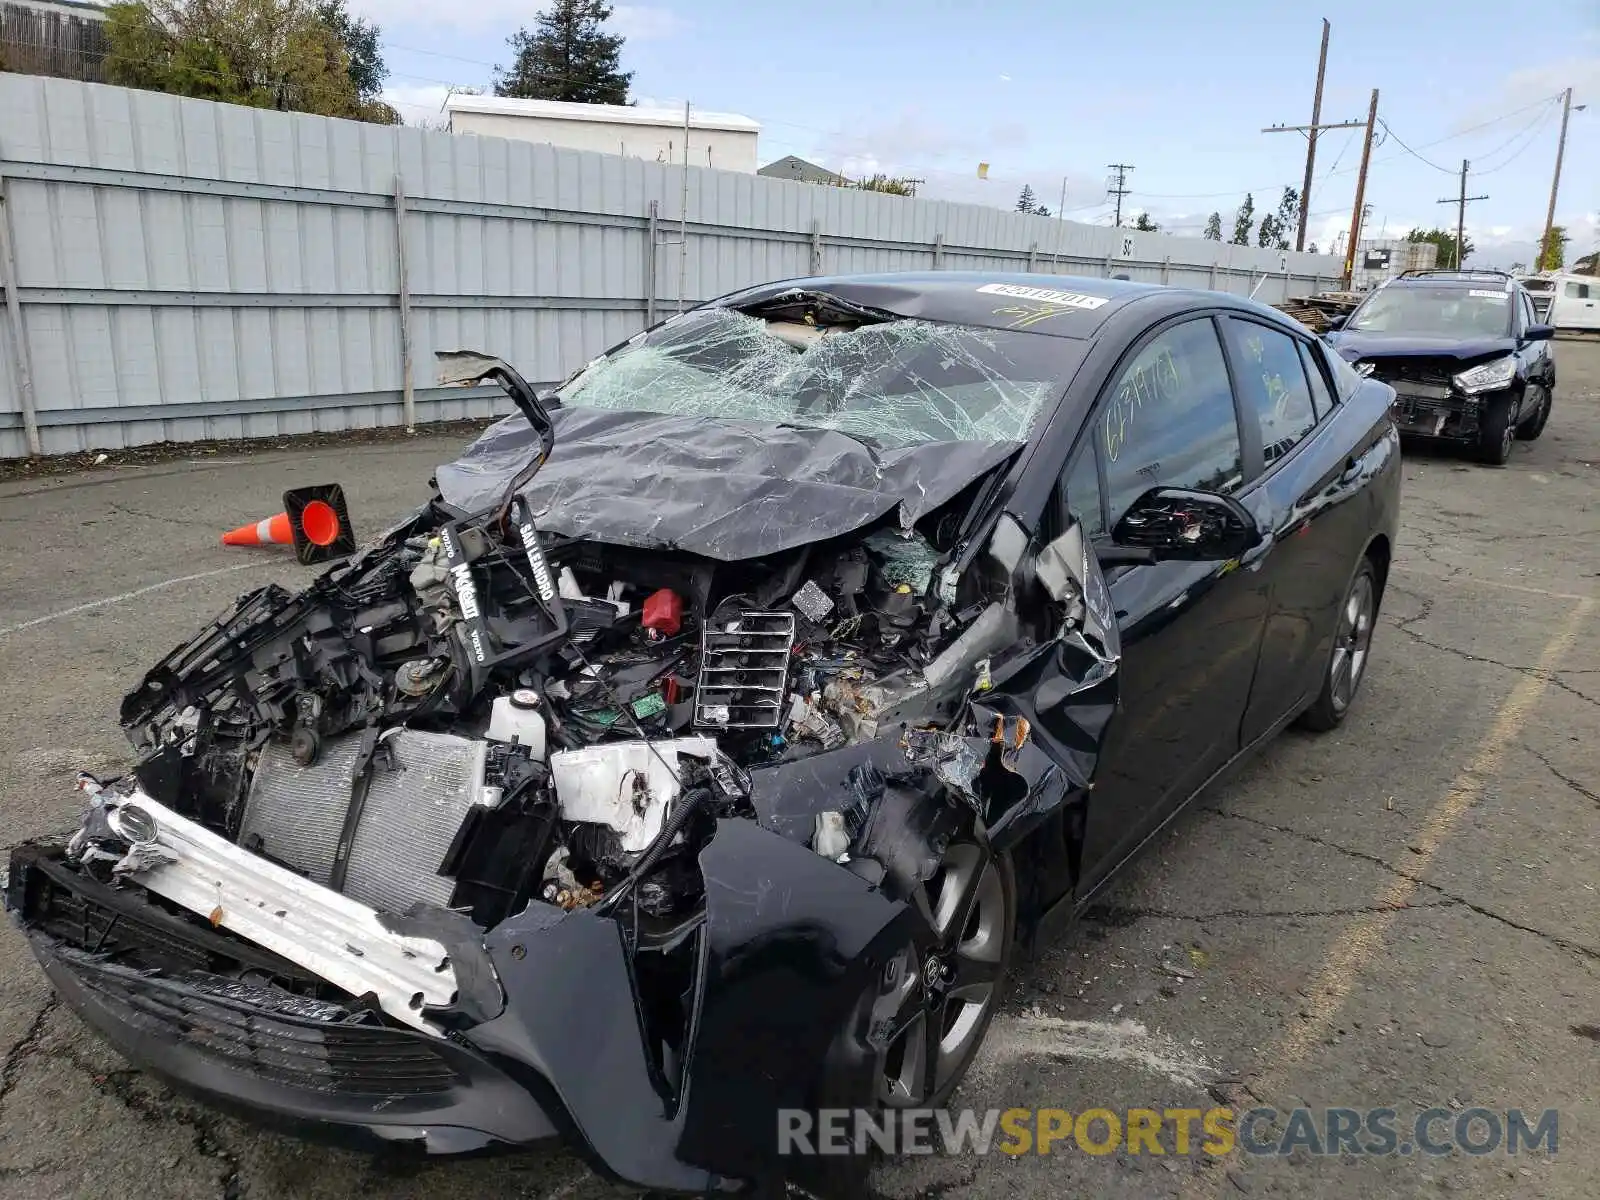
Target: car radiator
[{"x": 419, "y": 792}]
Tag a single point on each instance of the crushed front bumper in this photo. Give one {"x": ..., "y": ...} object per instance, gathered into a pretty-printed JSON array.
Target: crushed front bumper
[
  {"x": 1440, "y": 412},
  {"x": 355, "y": 1084},
  {"x": 569, "y": 1054}
]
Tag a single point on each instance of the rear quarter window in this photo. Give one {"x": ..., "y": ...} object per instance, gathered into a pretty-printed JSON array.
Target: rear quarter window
[{"x": 1345, "y": 379}]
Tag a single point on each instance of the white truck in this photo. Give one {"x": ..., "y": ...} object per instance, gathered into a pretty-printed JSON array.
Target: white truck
[{"x": 1569, "y": 302}]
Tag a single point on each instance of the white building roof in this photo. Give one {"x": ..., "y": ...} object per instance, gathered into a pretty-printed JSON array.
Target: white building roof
[{"x": 611, "y": 114}]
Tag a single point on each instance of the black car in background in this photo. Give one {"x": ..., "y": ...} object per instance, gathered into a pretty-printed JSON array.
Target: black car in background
[
  {"x": 709, "y": 741},
  {"x": 1467, "y": 357}
]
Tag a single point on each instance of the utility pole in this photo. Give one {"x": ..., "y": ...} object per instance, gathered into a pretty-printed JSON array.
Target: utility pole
[
  {"x": 1311, "y": 132},
  {"x": 1461, "y": 203},
  {"x": 1555, "y": 183},
  {"x": 1361, "y": 192},
  {"x": 1120, "y": 188}
]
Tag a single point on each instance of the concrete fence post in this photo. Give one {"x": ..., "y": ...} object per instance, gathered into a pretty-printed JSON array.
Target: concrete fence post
[
  {"x": 1033, "y": 256},
  {"x": 407, "y": 391},
  {"x": 938, "y": 251},
  {"x": 22, "y": 363},
  {"x": 1166, "y": 270},
  {"x": 816, "y": 247}
]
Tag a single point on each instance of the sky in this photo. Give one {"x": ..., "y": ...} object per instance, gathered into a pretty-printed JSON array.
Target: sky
[{"x": 1048, "y": 92}]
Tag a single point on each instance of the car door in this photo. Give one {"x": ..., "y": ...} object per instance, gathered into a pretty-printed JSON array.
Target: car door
[
  {"x": 1309, "y": 501},
  {"x": 1190, "y": 630},
  {"x": 1579, "y": 310},
  {"x": 1540, "y": 364}
]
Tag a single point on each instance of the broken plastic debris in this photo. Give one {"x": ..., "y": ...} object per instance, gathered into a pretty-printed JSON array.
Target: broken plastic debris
[
  {"x": 903, "y": 559},
  {"x": 828, "y": 837},
  {"x": 142, "y": 856},
  {"x": 952, "y": 758},
  {"x": 812, "y": 602}
]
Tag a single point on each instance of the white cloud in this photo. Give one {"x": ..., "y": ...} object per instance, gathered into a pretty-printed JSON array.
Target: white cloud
[
  {"x": 1005, "y": 79},
  {"x": 645, "y": 23}
]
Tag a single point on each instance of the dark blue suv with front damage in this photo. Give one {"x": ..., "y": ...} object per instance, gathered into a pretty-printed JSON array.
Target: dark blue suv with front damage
[{"x": 1464, "y": 352}]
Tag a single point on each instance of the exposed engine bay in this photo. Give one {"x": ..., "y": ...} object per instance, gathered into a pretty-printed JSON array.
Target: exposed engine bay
[{"x": 467, "y": 717}]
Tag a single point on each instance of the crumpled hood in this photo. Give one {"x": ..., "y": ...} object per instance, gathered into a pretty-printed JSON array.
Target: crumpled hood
[
  {"x": 1410, "y": 345},
  {"x": 724, "y": 489}
]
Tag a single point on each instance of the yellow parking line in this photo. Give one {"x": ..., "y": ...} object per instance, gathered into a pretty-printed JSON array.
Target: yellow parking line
[{"x": 1363, "y": 939}]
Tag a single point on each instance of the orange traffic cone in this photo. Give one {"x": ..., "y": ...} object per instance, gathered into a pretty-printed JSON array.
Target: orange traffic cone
[{"x": 314, "y": 521}]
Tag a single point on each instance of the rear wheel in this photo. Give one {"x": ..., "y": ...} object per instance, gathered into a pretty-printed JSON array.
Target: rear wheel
[
  {"x": 1533, "y": 426},
  {"x": 1496, "y": 433},
  {"x": 1352, "y": 646}
]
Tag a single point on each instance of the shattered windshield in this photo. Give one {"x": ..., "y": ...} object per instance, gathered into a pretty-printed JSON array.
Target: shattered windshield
[{"x": 891, "y": 383}]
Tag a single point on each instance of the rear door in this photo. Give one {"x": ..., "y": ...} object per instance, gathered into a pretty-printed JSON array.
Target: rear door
[
  {"x": 1309, "y": 501},
  {"x": 1190, "y": 631}
]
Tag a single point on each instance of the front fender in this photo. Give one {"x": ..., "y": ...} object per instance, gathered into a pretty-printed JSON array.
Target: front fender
[{"x": 789, "y": 943}]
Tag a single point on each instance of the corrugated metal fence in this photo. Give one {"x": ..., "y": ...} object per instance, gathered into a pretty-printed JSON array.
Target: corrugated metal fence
[{"x": 183, "y": 270}]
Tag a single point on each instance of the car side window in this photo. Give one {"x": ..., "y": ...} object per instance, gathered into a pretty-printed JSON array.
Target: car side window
[
  {"x": 1272, "y": 382},
  {"x": 1321, "y": 397},
  {"x": 1168, "y": 419},
  {"x": 1577, "y": 291},
  {"x": 1081, "y": 483},
  {"x": 1527, "y": 311}
]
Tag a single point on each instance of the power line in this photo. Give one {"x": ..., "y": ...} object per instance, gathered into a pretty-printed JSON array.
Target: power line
[{"x": 1410, "y": 151}]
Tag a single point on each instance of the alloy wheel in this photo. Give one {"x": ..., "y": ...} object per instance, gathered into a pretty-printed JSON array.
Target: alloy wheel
[
  {"x": 939, "y": 992},
  {"x": 1353, "y": 642}
]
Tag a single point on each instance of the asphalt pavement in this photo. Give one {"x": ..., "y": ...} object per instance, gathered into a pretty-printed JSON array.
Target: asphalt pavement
[{"x": 1402, "y": 913}]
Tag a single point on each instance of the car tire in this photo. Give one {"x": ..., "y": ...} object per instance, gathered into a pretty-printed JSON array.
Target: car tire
[
  {"x": 967, "y": 968},
  {"x": 1531, "y": 428},
  {"x": 1351, "y": 651},
  {"x": 1496, "y": 433}
]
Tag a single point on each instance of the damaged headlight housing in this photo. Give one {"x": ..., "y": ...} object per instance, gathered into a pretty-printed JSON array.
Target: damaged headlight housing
[{"x": 1488, "y": 377}]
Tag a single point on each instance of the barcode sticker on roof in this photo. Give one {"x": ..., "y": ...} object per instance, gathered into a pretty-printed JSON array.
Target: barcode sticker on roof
[{"x": 1045, "y": 295}]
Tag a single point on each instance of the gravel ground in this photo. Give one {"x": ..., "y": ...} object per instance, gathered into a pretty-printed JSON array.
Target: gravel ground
[{"x": 1400, "y": 913}]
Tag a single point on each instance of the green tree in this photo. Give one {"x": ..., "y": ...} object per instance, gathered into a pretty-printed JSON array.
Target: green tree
[
  {"x": 1311, "y": 248},
  {"x": 1275, "y": 227},
  {"x": 1143, "y": 221},
  {"x": 567, "y": 56},
  {"x": 1243, "y": 220},
  {"x": 1445, "y": 239},
  {"x": 359, "y": 37},
  {"x": 1213, "y": 231},
  {"x": 1026, "y": 202},
  {"x": 264, "y": 53},
  {"x": 1553, "y": 249}
]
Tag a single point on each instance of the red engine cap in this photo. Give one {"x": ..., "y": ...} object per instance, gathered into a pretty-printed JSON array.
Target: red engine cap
[{"x": 663, "y": 612}]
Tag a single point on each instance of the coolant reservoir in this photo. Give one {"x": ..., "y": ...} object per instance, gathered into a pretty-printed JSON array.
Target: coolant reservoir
[{"x": 516, "y": 718}]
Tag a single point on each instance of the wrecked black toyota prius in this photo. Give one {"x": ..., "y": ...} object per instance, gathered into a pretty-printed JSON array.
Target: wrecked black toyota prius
[{"x": 707, "y": 745}]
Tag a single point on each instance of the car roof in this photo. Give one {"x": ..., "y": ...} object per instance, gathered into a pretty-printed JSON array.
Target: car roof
[
  {"x": 1482, "y": 280},
  {"x": 1071, "y": 306}
]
